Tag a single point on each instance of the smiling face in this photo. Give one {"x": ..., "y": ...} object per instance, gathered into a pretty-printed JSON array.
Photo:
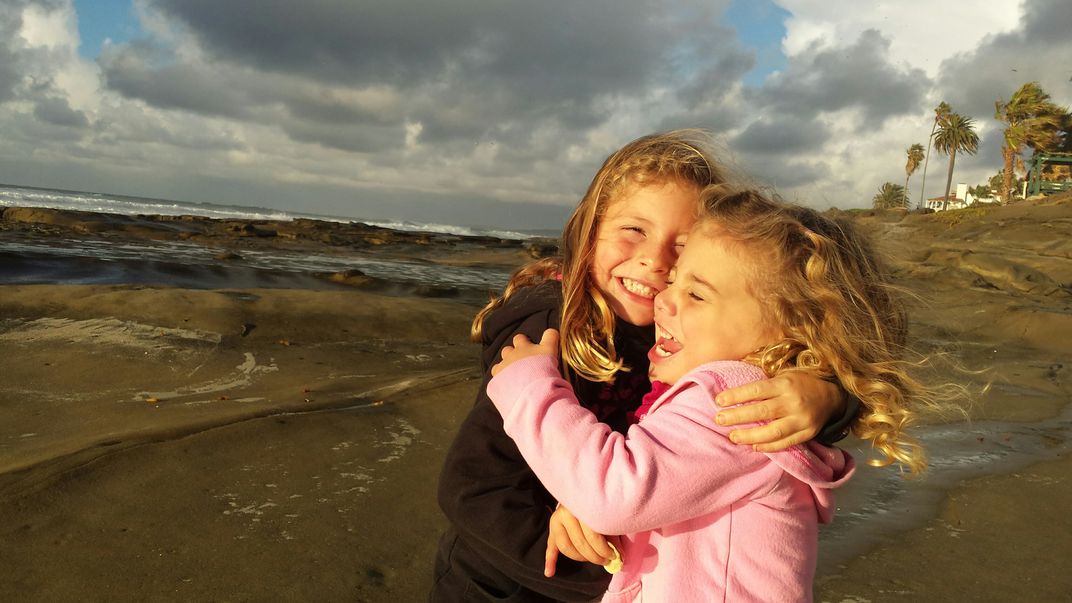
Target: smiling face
[
  {"x": 709, "y": 312},
  {"x": 637, "y": 243}
]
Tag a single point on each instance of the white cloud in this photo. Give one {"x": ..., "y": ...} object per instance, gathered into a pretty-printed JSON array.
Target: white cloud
[
  {"x": 922, "y": 32},
  {"x": 52, "y": 29}
]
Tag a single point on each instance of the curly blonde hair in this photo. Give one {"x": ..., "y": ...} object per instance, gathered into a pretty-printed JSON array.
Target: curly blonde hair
[
  {"x": 685, "y": 157},
  {"x": 830, "y": 293}
]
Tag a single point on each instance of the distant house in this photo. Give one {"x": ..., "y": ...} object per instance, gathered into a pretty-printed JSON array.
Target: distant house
[
  {"x": 958, "y": 200},
  {"x": 972, "y": 199},
  {"x": 938, "y": 203}
]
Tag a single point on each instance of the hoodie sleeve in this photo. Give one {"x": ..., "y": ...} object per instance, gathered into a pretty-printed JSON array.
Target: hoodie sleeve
[
  {"x": 677, "y": 460},
  {"x": 498, "y": 506}
]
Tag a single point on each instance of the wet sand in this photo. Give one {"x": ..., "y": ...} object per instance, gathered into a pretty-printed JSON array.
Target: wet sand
[
  {"x": 151, "y": 451},
  {"x": 164, "y": 443},
  {"x": 990, "y": 521}
]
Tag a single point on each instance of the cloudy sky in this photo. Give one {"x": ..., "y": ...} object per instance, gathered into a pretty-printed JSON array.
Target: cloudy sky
[{"x": 498, "y": 112}]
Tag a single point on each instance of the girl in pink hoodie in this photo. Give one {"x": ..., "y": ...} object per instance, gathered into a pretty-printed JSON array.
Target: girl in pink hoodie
[{"x": 759, "y": 289}]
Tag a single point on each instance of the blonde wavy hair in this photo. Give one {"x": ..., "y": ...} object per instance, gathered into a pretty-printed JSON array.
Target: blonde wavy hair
[
  {"x": 685, "y": 157},
  {"x": 828, "y": 290}
]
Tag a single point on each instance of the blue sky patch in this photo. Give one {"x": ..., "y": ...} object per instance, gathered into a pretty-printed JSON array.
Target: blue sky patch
[
  {"x": 760, "y": 26},
  {"x": 100, "y": 19}
]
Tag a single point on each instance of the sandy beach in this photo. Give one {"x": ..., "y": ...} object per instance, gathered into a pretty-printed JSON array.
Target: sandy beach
[{"x": 257, "y": 434}]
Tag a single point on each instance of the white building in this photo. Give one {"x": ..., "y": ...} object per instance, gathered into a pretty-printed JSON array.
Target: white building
[{"x": 958, "y": 200}]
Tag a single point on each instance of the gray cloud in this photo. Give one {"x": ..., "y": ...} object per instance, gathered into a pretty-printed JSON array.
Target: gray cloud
[
  {"x": 359, "y": 139},
  {"x": 16, "y": 63},
  {"x": 546, "y": 47},
  {"x": 465, "y": 71},
  {"x": 785, "y": 174},
  {"x": 58, "y": 111},
  {"x": 1038, "y": 50},
  {"x": 860, "y": 76},
  {"x": 10, "y": 23},
  {"x": 140, "y": 70},
  {"x": 9, "y": 76},
  {"x": 781, "y": 134}
]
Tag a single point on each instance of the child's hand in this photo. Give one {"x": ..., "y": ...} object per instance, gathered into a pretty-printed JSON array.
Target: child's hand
[
  {"x": 795, "y": 404},
  {"x": 523, "y": 348},
  {"x": 574, "y": 540}
]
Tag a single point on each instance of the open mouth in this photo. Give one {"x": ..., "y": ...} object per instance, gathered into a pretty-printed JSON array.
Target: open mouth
[
  {"x": 637, "y": 288},
  {"x": 666, "y": 345}
]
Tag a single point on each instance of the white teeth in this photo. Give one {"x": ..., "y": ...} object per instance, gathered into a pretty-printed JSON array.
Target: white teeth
[
  {"x": 638, "y": 288},
  {"x": 663, "y": 333},
  {"x": 661, "y": 352}
]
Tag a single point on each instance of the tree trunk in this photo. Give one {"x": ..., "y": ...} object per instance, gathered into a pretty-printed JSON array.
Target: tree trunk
[
  {"x": 949, "y": 178},
  {"x": 1006, "y": 176},
  {"x": 923, "y": 186},
  {"x": 904, "y": 201}
]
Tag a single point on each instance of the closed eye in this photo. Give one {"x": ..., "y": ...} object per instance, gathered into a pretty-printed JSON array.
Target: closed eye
[{"x": 634, "y": 234}]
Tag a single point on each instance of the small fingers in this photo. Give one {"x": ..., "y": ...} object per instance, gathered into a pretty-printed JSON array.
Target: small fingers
[
  {"x": 749, "y": 413},
  {"x": 584, "y": 549},
  {"x": 757, "y": 390},
  {"x": 580, "y": 537},
  {"x": 549, "y": 339},
  {"x": 550, "y": 558},
  {"x": 774, "y": 436},
  {"x": 781, "y": 444},
  {"x": 599, "y": 545},
  {"x": 558, "y": 536},
  {"x": 771, "y": 432},
  {"x": 564, "y": 546}
]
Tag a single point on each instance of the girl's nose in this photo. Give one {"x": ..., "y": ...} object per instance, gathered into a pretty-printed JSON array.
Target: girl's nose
[
  {"x": 659, "y": 256},
  {"x": 664, "y": 301}
]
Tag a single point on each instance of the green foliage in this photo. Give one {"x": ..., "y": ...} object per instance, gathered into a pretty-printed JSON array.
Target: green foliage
[
  {"x": 890, "y": 195},
  {"x": 915, "y": 157},
  {"x": 953, "y": 217},
  {"x": 955, "y": 133},
  {"x": 1033, "y": 121},
  {"x": 940, "y": 113},
  {"x": 980, "y": 191},
  {"x": 1065, "y": 145}
]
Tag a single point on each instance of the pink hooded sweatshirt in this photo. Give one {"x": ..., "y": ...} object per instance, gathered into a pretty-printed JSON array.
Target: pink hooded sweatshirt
[{"x": 701, "y": 518}]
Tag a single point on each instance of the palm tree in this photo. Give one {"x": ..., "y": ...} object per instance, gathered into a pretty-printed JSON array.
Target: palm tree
[
  {"x": 940, "y": 113},
  {"x": 915, "y": 157},
  {"x": 890, "y": 195},
  {"x": 1031, "y": 119},
  {"x": 956, "y": 134}
]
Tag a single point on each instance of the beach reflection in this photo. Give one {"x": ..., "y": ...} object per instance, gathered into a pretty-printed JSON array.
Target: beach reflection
[{"x": 878, "y": 504}]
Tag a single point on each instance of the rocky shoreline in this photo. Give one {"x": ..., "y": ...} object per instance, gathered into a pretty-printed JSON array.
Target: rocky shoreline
[
  {"x": 300, "y": 232},
  {"x": 229, "y": 242}
]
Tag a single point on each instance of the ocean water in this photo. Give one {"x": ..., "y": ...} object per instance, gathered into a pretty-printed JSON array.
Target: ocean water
[
  {"x": 24, "y": 196},
  {"x": 89, "y": 260}
]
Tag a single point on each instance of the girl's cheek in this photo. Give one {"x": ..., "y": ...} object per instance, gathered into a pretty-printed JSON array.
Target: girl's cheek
[
  {"x": 645, "y": 319},
  {"x": 612, "y": 245}
]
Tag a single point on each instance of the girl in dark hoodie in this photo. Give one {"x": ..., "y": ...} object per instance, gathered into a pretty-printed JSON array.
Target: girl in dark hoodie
[{"x": 617, "y": 250}]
